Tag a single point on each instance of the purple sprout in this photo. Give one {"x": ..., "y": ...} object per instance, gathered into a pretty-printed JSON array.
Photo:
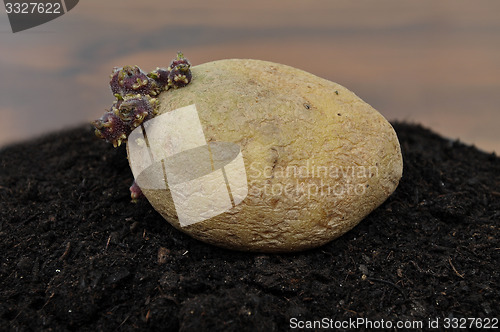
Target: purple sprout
[
  {"x": 111, "y": 128},
  {"x": 160, "y": 76},
  {"x": 180, "y": 72},
  {"x": 135, "y": 102},
  {"x": 180, "y": 60},
  {"x": 135, "y": 109},
  {"x": 179, "y": 76},
  {"x": 131, "y": 80},
  {"x": 135, "y": 192}
]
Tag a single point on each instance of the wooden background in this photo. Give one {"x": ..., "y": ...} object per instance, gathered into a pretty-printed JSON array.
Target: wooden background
[{"x": 430, "y": 62}]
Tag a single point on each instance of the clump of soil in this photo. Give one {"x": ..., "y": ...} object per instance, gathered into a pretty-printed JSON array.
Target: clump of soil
[{"x": 77, "y": 255}]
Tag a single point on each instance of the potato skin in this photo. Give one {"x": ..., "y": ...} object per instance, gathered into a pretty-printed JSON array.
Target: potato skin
[{"x": 286, "y": 120}]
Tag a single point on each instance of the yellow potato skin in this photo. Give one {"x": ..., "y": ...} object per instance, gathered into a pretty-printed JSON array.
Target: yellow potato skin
[{"x": 284, "y": 118}]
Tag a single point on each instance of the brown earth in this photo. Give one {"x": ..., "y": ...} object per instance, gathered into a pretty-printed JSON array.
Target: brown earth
[{"x": 77, "y": 255}]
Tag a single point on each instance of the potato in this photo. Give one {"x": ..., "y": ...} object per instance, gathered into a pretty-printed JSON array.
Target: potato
[{"x": 303, "y": 159}]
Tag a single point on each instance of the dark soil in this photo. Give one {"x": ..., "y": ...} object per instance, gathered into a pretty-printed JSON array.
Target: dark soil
[{"x": 77, "y": 255}]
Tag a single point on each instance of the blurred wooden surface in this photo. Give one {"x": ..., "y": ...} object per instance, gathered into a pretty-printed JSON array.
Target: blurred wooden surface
[{"x": 435, "y": 63}]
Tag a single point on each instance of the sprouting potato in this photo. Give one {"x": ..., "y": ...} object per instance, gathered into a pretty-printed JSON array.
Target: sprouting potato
[{"x": 299, "y": 159}]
